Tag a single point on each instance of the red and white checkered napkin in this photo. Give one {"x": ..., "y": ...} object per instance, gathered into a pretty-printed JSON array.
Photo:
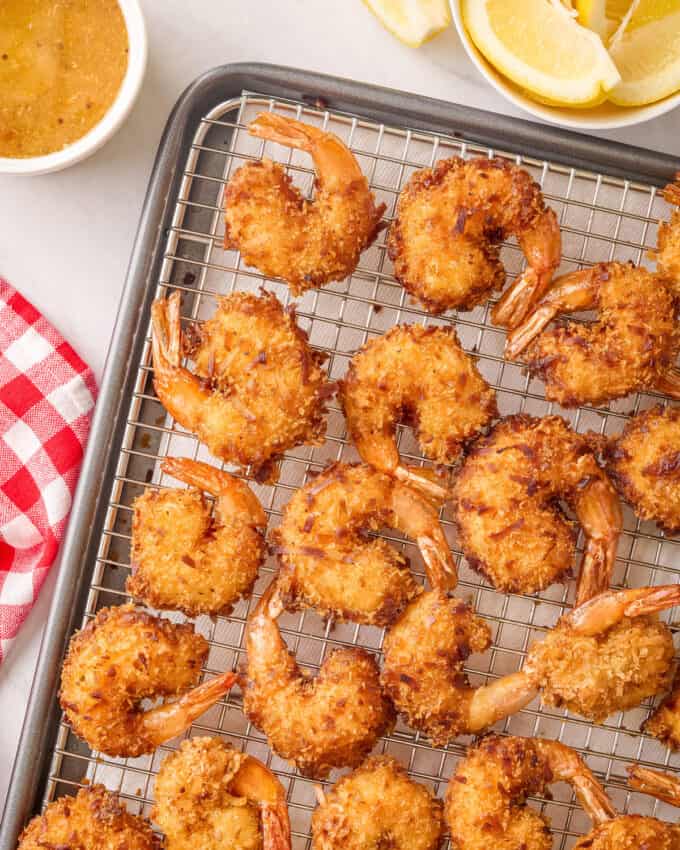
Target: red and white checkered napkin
[{"x": 46, "y": 400}]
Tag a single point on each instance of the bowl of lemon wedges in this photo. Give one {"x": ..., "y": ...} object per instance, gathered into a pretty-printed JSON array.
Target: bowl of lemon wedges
[{"x": 589, "y": 64}]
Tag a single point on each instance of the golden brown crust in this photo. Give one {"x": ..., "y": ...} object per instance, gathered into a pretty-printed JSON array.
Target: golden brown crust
[
  {"x": 631, "y": 346},
  {"x": 423, "y": 670},
  {"x": 485, "y": 800},
  {"x": 632, "y": 832},
  {"x": 450, "y": 222},
  {"x": 92, "y": 820},
  {"x": 120, "y": 658},
  {"x": 185, "y": 559},
  {"x": 644, "y": 463},
  {"x": 325, "y": 560},
  {"x": 196, "y": 805},
  {"x": 511, "y": 528},
  {"x": 421, "y": 376},
  {"x": 595, "y": 676},
  {"x": 378, "y": 806},
  {"x": 268, "y": 390},
  {"x": 307, "y": 243},
  {"x": 664, "y": 724}
]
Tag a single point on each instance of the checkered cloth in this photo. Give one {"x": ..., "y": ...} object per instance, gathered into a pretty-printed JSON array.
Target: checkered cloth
[{"x": 46, "y": 399}]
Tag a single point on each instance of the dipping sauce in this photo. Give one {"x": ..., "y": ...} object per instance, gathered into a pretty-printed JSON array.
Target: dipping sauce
[{"x": 62, "y": 63}]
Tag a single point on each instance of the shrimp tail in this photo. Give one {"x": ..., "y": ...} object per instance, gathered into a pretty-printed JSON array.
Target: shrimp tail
[
  {"x": 166, "y": 341},
  {"x": 424, "y": 480},
  {"x": 568, "y": 766},
  {"x": 600, "y": 515},
  {"x": 285, "y": 131},
  {"x": 500, "y": 699},
  {"x": 609, "y": 608},
  {"x": 663, "y": 786},
  {"x": 516, "y": 303},
  {"x": 669, "y": 383},
  {"x": 440, "y": 566},
  {"x": 275, "y": 826},
  {"x": 169, "y": 720}
]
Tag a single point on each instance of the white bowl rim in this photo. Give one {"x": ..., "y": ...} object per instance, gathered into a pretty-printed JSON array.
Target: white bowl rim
[
  {"x": 554, "y": 115},
  {"x": 112, "y": 119}
]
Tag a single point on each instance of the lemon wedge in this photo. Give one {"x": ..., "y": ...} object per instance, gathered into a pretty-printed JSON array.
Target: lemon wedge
[
  {"x": 602, "y": 16},
  {"x": 647, "y": 53},
  {"x": 539, "y": 46},
  {"x": 413, "y": 22}
]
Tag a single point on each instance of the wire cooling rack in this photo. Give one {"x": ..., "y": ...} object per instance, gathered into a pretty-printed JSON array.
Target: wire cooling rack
[{"x": 602, "y": 218}]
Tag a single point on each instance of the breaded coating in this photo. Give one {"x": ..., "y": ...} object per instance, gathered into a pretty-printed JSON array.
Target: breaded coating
[
  {"x": 307, "y": 243},
  {"x": 664, "y": 724},
  {"x": 449, "y": 225},
  {"x": 644, "y": 464},
  {"x": 596, "y": 675},
  {"x": 420, "y": 376},
  {"x": 209, "y": 796},
  {"x": 668, "y": 244},
  {"x": 317, "y": 722},
  {"x": 92, "y": 820},
  {"x": 631, "y": 347},
  {"x": 257, "y": 388},
  {"x": 183, "y": 557},
  {"x": 506, "y": 505},
  {"x": 328, "y": 562},
  {"x": 378, "y": 807},
  {"x": 125, "y": 656},
  {"x": 485, "y": 800},
  {"x": 632, "y": 832}
]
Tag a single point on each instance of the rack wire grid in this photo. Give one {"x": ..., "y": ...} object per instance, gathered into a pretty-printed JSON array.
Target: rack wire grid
[{"x": 602, "y": 218}]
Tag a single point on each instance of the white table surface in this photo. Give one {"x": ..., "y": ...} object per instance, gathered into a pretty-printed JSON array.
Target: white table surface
[{"x": 65, "y": 239}]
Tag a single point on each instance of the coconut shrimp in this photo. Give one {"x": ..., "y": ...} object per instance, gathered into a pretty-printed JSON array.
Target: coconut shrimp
[
  {"x": 210, "y": 796},
  {"x": 485, "y": 800},
  {"x": 450, "y": 222},
  {"x": 258, "y": 388},
  {"x": 377, "y": 806},
  {"x": 511, "y": 528},
  {"x": 630, "y": 348},
  {"x": 636, "y": 832},
  {"x": 307, "y": 243},
  {"x": 607, "y": 655},
  {"x": 418, "y": 375},
  {"x": 123, "y": 657},
  {"x": 185, "y": 559},
  {"x": 423, "y": 671},
  {"x": 664, "y": 723},
  {"x": 92, "y": 820},
  {"x": 327, "y": 563},
  {"x": 316, "y": 723},
  {"x": 644, "y": 464},
  {"x": 668, "y": 247}
]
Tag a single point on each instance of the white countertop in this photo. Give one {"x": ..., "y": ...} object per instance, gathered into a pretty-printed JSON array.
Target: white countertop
[{"x": 65, "y": 239}]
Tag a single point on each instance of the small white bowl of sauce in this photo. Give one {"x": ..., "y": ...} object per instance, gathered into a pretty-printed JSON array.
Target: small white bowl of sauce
[{"x": 70, "y": 72}]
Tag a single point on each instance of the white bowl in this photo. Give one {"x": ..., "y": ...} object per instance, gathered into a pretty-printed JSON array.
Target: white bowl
[
  {"x": 112, "y": 120},
  {"x": 607, "y": 116}
]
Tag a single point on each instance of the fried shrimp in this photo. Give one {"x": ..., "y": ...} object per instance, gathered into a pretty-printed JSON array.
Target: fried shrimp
[
  {"x": 317, "y": 722},
  {"x": 423, "y": 671},
  {"x": 123, "y": 657},
  {"x": 422, "y": 376},
  {"x": 664, "y": 723},
  {"x": 258, "y": 388},
  {"x": 630, "y": 348},
  {"x": 450, "y": 221},
  {"x": 485, "y": 800},
  {"x": 210, "y": 796},
  {"x": 327, "y": 563},
  {"x": 635, "y": 832},
  {"x": 607, "y": 655},
  {"x": 644, "y": 464},
  {"x": 182, "y": 558},
  {"x": 511, "y": 528},
  {"x": 307, "y": 243},
  {"x": 377, "y": 806},
  {"x": 92, "y": 820},
  {"x": 668, "y": 249}
]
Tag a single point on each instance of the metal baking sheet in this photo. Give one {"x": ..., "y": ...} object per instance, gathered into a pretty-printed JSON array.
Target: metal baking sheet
[{"x": 608, "y": 204}]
